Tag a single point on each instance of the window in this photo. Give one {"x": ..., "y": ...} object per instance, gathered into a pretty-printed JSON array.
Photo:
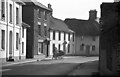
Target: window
[
  {"x": 59, "y": 35},
  {"x": 17, "y": 40},
  {"x": 3, "y": 9},
  {"x": 73, "y": 37},
  {"x": 10, "y": 13},
  {"x": 53, "y": 35},
  {"x": 64, "y": 36},
  {"x": 39, "y": 29},
  {"x": 3, "y": 39},
  {"x": 45, "y": 15},
  {"x": 59, "y": 47},
  {"x": 82, "y": 37},
  {"x": 22, "y": 47},
  {"x": 68, "y": 48},
  {"x": 53, "y": 46},
  {"x": 22, "y": 31},
  {"x": 45, "y": 30},
  {"x": 39, "y": 14},
  {"x": 82, "y": 47},
  {"x": 69, "y": 37},
  {"x": 93, "y": 38},
  {"x": 17, "y": 15},
  {"x": 93, "y": 48}
]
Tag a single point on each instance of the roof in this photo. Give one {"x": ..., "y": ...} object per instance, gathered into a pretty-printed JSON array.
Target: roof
[
  {"x": 57, "y": 24},
  {"x": 83, "y": 27},
  {"x": 19, "y": 1},
  {"x": 35, "y": 2},
  {"x": 25, "y": 25}
]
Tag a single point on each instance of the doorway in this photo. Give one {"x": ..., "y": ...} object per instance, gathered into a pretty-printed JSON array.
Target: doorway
[{"x": 87, "y": 50}]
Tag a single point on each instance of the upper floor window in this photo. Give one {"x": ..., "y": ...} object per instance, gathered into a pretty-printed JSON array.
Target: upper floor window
[
  {"x": 3, "y": 39},
  {"x": 69, "y": 37},
  {"x": 39, "y": 13},
  {"x": 39, "y": 29},
  {"x": 45, "y": 15},
  {"x": 17, "y": 15},
  {"x": 64, "y": 36},
  {"x": 73, "y": 37},
  {"x": 3, "y": 9},
  {"x": 59, "y": 35},
  {"x": 10, "y": 13},
  {"x": 82, "y": 38},
  {"x": 22, "y": 31},
  {"x": 93, "y": 38},
  {"x": 53, "y": 35},
  {"x": 45, "y": 30}
]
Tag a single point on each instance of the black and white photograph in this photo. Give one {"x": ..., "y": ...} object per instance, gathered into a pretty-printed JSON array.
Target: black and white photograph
[{"x": 59, "y": 38}]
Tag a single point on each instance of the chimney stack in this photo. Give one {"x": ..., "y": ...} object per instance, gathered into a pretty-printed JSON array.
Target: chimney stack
[
  {"x": 49, "y": 6},
  {"x": 92, "y": 14}
]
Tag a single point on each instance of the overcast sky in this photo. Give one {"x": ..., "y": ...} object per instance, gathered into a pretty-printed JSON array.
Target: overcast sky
[{"x": 73, "y": 8}]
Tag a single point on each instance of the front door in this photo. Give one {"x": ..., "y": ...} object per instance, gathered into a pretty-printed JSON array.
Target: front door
[{"x": 87, "y": 50}]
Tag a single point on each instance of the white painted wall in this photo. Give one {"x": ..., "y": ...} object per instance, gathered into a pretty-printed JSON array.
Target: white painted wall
[
  {"x": 57, "y": 42},
  {"x": 15, "y": 28}
]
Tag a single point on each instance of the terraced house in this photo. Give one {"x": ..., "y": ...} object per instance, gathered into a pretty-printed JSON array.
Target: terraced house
[
  {"x": 37, "y": 16},
  {"x": 61, "y": 37},
  {"x": 12, "y": 44},
  {"x": 86, "y": 34}
]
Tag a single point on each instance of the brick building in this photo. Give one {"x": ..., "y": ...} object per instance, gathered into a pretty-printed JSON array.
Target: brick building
[
  {"x": 37, "y": 16},
  {"x": 110, "y": 39}
]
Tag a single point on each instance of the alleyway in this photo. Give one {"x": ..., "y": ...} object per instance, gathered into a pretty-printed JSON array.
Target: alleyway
[{"x": 67, "y": 66}]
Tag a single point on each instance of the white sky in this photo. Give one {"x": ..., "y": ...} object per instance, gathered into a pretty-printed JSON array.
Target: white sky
[{"x": 73, "y": 8}]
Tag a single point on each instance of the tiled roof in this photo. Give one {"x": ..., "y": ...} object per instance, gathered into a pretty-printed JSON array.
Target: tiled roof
[
  {"x": 57, "y": 24},
  {"x": 36, "y": 3},
  {"x": 25, "y": 25},
  {"x": 83, "y": 27}
]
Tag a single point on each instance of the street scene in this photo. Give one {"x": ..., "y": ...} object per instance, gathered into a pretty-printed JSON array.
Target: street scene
[
  {"x": 56, "y": 37},
  {"x": 72, "y": 65}
]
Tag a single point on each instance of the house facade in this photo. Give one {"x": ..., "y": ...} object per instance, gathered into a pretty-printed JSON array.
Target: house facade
[
  {"x": 11, "y": 30},
  {"x": 86, "y": 34},
  {"x": 37, "y": 16},
  {"x": 109, "y": 39},
  {"x": 61, "y": 37}
]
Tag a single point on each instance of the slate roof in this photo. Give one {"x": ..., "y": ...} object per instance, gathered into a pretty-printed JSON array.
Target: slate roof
[
  {"x": 57, "y": 24},
  {"x": 19, "y": 1},
  {"x": 35, "y": 2},
  {"x": 83, "y": 27}
]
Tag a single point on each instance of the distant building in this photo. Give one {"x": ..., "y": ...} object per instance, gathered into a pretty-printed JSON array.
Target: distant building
[
  {"x": 12, "y": 30},
  {"x": 86, "y": 34},
  {"x": 110, "y": 39},
  {"x": 37, "y": 16},
  {"x": 61, "y": 37}
]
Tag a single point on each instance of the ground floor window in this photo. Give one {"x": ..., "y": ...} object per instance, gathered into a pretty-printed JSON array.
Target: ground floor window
[
  {"x": 82, "y": 47},
  {"x": 3, "y": 39},
  {"x": 40, "y": 47},
  {"x": 17, "y": 40},
  {"x": 93, "y": 48},
  {"x": 68, "y": 48},
  {"x": 22, "y": 47}
]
